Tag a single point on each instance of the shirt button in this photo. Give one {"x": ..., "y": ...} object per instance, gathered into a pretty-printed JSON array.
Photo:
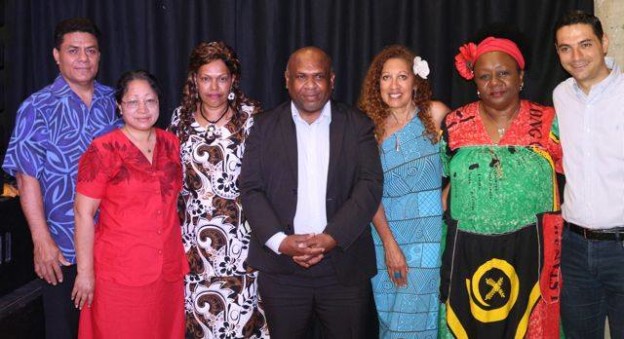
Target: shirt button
[
  {"x": 158, "y": 212},
  {"x": 159, "y": 231},
  {"x": 159, "y": 252}
]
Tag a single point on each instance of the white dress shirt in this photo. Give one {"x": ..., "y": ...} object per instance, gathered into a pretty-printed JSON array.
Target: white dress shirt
[
  {"x": 312, "y": 165},
  {"x": 592, "y": 136}
]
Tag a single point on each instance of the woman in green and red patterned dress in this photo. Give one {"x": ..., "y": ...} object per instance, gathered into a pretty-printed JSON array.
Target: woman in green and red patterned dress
[{"x": 500, "y": 265}]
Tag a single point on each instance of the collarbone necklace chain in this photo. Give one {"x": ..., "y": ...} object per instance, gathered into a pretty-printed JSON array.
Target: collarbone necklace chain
[
  {"x": 502, "y": 129},
  {"x": 148, "y": 148},
  {"x": 397, "y": 139},
  {"x": 212, "y": 132}
]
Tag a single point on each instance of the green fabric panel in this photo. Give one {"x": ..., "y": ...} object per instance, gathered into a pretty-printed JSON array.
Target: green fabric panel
[{"x": 497, "y": 189}]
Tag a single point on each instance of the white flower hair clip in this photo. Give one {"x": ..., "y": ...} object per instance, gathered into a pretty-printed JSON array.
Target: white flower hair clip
[{"x": 421, "y": 67}]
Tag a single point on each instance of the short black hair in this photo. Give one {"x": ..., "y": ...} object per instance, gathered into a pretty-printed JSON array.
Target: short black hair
[
  {"x": 74, "y": 25},
  {"x": 579, "y": 17},
  {"x": 127, "y": 77}
]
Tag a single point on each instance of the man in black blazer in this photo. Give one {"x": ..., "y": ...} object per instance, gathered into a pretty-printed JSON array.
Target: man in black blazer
[{"x": 311, "y": 181}]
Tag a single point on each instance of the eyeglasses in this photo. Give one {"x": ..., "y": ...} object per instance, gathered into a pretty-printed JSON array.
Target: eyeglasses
[{"x": 134, "y": 104}]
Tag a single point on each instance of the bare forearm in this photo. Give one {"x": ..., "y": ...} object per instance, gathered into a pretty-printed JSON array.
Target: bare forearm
[
  {"x": 84, "y": 235},
  {"x": 84, "y": 211},
  {"x": 46, "y": 254},
  {"x": 381, "y": 226},
  {"x": 31, "y": 201},
  {"x": 393, "y": 255}
]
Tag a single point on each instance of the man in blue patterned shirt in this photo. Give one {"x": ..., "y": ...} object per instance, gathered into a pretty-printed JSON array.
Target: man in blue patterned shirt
[{"x": 53, "y": 128}]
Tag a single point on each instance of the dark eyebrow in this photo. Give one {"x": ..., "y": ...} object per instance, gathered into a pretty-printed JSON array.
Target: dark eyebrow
[
  {"x": 86, "y": 47},
  {"x": 213, "y": 76}
]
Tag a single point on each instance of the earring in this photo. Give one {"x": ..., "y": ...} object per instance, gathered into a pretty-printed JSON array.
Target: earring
[
  {"x": 231, "y": 96},
  {"x": 478, "y": 94},
  {"x": 521, "y": 86}
]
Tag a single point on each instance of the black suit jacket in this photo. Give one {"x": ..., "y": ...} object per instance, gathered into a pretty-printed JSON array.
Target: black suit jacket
[{"x": 268, "y": 184}]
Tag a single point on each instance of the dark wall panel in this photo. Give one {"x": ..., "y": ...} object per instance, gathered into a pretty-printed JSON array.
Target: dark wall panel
[{"x": 158, "y": 35}]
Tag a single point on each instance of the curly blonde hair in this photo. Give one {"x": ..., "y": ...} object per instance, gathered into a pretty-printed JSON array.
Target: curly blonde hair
[
  {"x": 205, "y": 53},
  {"x": 370, "y": 97}
]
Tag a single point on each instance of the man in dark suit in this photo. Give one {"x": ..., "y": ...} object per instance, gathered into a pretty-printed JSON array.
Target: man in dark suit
[{"x": 311, "y": 181}]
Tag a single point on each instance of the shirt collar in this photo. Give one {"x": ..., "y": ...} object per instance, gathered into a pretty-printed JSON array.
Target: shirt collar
[
  {"x": 61, "y": 88},
  {"x": 325, "y": 113}
]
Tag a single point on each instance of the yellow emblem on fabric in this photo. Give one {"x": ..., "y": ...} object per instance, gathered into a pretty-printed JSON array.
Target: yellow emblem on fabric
[
  {"x": 480, "y": 305},
  {"x": 496, "y": 288}
]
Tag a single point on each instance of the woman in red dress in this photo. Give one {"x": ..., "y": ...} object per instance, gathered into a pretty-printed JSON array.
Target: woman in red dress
[{"x": 131, "y": 262}]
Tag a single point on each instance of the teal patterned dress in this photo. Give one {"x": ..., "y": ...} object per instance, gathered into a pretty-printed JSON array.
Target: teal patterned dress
[{"x": 412, "y": 202}]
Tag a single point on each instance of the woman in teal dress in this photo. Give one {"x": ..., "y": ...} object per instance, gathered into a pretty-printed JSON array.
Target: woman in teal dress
[{"x": 408, "y": 224}]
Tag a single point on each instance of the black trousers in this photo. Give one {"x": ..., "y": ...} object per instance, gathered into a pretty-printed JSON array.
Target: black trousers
[
  {"x": 372, "y": 324},
  {"x": 294, "y": 303},
  {"x": 61, "y": 316}
]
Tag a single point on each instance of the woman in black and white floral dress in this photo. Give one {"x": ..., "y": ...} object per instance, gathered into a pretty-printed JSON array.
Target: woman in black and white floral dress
[{"x": 215, "y": 117}]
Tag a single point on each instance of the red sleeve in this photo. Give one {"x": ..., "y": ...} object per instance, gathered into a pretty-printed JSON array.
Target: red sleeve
[
  {"x": 174, "y": 167},
  {"x": 553, "y": 144},
  {"x": 93, "y": 172},
  {"x": 554, "y": 148}
]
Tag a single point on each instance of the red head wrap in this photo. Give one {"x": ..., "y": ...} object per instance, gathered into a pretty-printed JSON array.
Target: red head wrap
[{"x": 469, "y": 53}]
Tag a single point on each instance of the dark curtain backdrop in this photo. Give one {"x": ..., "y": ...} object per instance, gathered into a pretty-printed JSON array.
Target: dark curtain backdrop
[{"x": 158, "y": 35}]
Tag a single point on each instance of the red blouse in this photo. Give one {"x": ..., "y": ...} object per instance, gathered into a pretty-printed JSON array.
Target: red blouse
[
  {"x": 138, "y": 236},
  {"x": 535, "y": 125}
]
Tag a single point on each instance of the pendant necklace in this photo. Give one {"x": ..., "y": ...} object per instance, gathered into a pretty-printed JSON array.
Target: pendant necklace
[
  {"x": 136, "y": 141},
  {"x": 501, "y": 130},
  {"x": 397, "y": 140},
  {"x": 211, "y": 130}
]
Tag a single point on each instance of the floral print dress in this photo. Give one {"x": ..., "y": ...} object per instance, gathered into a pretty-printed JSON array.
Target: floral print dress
[{"x": 221, "y": 299}]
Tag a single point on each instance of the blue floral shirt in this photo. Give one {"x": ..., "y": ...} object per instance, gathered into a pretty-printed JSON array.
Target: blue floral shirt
[{"x": 53, "y": 128}]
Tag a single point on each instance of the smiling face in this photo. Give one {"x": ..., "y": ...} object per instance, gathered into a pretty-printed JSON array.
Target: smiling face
[
  {"x": 78, "y": 58},
  {"x": 498, "y": 80},
  {"x": 581, "y": 54},
  {"x": 310, "y": 81},
  {"x": 139, "y": 106},
  {"x": 396, "y": 84},
  {"x": 214, "y": 82}
]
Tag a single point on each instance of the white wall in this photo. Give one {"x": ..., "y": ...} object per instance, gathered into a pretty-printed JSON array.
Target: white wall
[{"x": 611, "y": 13}]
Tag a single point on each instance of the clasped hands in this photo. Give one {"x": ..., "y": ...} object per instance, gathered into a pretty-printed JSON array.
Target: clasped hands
[{"x": 307, "y": 249}]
